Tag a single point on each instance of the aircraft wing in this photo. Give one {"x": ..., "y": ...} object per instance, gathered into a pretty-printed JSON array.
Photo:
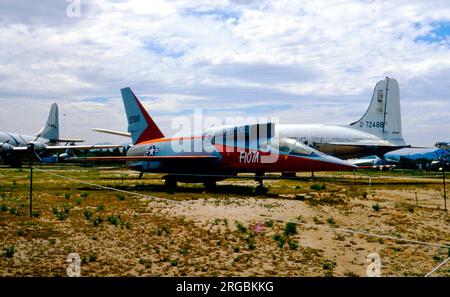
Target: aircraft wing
[
  {"x": 73, "y": 147},
  {"x": 125, "y": 134},
  {"x": 151, "y": 158},
  {"x": 19, "y": 148},
  {"x": 82, "y": 147},
  {"x": 378, "y": 144},
  {"x": 366, "y": 144},
  {"x": 69, "y": 140}
]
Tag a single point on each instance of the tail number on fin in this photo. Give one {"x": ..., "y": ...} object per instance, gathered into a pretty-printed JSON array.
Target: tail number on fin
[
  {"x": 369, "y": 124},
  {"x": 134, "y": 119}
]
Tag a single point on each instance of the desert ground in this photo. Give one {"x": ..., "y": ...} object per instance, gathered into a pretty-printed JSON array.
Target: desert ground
[{"x": 325, "y": 225}]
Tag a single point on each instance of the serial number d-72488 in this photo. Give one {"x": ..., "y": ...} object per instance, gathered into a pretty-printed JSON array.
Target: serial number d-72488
[{"x": 369, "y": 124}]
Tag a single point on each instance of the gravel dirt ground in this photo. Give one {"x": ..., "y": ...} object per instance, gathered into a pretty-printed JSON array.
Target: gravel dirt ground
[{"x": 231, "y": 232}]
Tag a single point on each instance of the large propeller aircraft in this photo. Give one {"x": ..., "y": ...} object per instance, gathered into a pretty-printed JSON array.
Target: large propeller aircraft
[
  {"x": 377, "y": 132},
  {"x": 14, "y": 147},
  {"x": 217, "y": 153}
]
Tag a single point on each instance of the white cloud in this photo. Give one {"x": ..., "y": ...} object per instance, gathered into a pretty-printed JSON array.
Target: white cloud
[{"x": 203, "y": 54}]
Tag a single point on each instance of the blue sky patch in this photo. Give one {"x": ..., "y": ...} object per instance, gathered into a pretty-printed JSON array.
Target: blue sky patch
[
  {"x": 98, "y": 99},
  {"x": 439, "y": 33},
  {"x": 157, "y": 48},
  {"x": 255, "y": 111},
  {"x": 220, "y": 14}
]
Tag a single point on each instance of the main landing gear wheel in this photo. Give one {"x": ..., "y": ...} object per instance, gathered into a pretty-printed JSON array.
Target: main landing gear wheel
[
  {"x": 260, "y": 189},
  {"x": 210, "y": 186},
  {"x": 170, "y": 184}
]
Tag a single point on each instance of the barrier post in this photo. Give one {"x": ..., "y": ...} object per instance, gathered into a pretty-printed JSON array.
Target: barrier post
[{"x": 30, "y": 147}]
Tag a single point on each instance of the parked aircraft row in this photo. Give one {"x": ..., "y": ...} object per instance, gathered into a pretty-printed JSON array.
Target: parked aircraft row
[
  {"x": 227, "y": 151},
  {"x": 14, "y": 147},
  {"x": 297, "y": 147}
]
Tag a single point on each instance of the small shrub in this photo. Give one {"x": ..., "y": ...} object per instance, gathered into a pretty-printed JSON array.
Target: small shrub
[
  {"x": 241, "y": 227},
  {"x": 97, "y": 221},
  {"x": 3, "y": 207},
  {"x": 269, "y": 223},
  {"x": 87, "y": 214},
  {"x": 328, "y": 265},
  {"x": 293, "y": 245},
  {"x": 184, "y": 251},
  {"x": 291, "y": 228},
  {"x": 174, "y": 262},
  {"x": 100, "y": 207},
  {"x": 125, "y": 224},
  {"x": 120, "y": 197},
  {"x": 61, "y": 215},
  {"x": 317, "y": 221},
  {"x": 237, "y": 249},
  {"x": 79, "y": 200},
  {"x": 165, "y": 229},
  {"x": 89, "y": 258},
  {"x": 35, "y": 213},
  {"x": 67, "y": 195},
  {"x": 251, "y": 244},
  {"x": 10, "y": 251},
  {"x": 114, "y": 220},
  {"x": 13, "y": 211},
  {"x": 301, "y": 219},
  {"x": 92, "y": 258},
  {"x": 318, "y": 187},
  {"x": 376, "y": 207},
  {"x": 84, "y": 195},
  {"x": 331, "y": 222},
  {"x": 281, "y": 241},
  {"x": 66, "y": 207},
  {"x": 437, "y": 258}
]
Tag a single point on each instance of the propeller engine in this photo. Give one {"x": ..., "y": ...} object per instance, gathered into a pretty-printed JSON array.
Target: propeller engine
[{"x": 9, "y": 156}]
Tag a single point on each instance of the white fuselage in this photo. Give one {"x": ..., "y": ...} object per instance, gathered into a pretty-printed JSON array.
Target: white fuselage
[
  {"x": 19, "y": 140},
  {"x": 340, "y": 141}
]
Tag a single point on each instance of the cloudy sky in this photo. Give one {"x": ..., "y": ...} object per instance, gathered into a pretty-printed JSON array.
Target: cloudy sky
[{"x": 303, "y": 61}]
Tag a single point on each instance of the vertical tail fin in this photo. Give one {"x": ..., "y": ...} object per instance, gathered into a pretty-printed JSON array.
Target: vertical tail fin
[
  {"x": 140, "y": 124},
  {"x": 383, "y": 117},
  {"x": 51, "y": 127}
]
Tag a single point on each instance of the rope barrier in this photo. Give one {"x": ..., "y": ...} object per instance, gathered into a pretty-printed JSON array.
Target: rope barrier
[
  {"x": 280, "y": 220},
  {"x": 437, "y": 267}
]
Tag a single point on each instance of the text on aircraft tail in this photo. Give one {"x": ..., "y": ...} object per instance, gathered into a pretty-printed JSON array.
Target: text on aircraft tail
[{"x": 140, "y": 124}]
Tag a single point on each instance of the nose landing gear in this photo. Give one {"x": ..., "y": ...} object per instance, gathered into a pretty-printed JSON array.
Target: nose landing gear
[{"x": 260, "y": 189}]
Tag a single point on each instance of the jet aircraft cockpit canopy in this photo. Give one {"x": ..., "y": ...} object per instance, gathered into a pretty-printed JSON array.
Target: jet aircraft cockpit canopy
[{"x": 290, "y": 146}]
